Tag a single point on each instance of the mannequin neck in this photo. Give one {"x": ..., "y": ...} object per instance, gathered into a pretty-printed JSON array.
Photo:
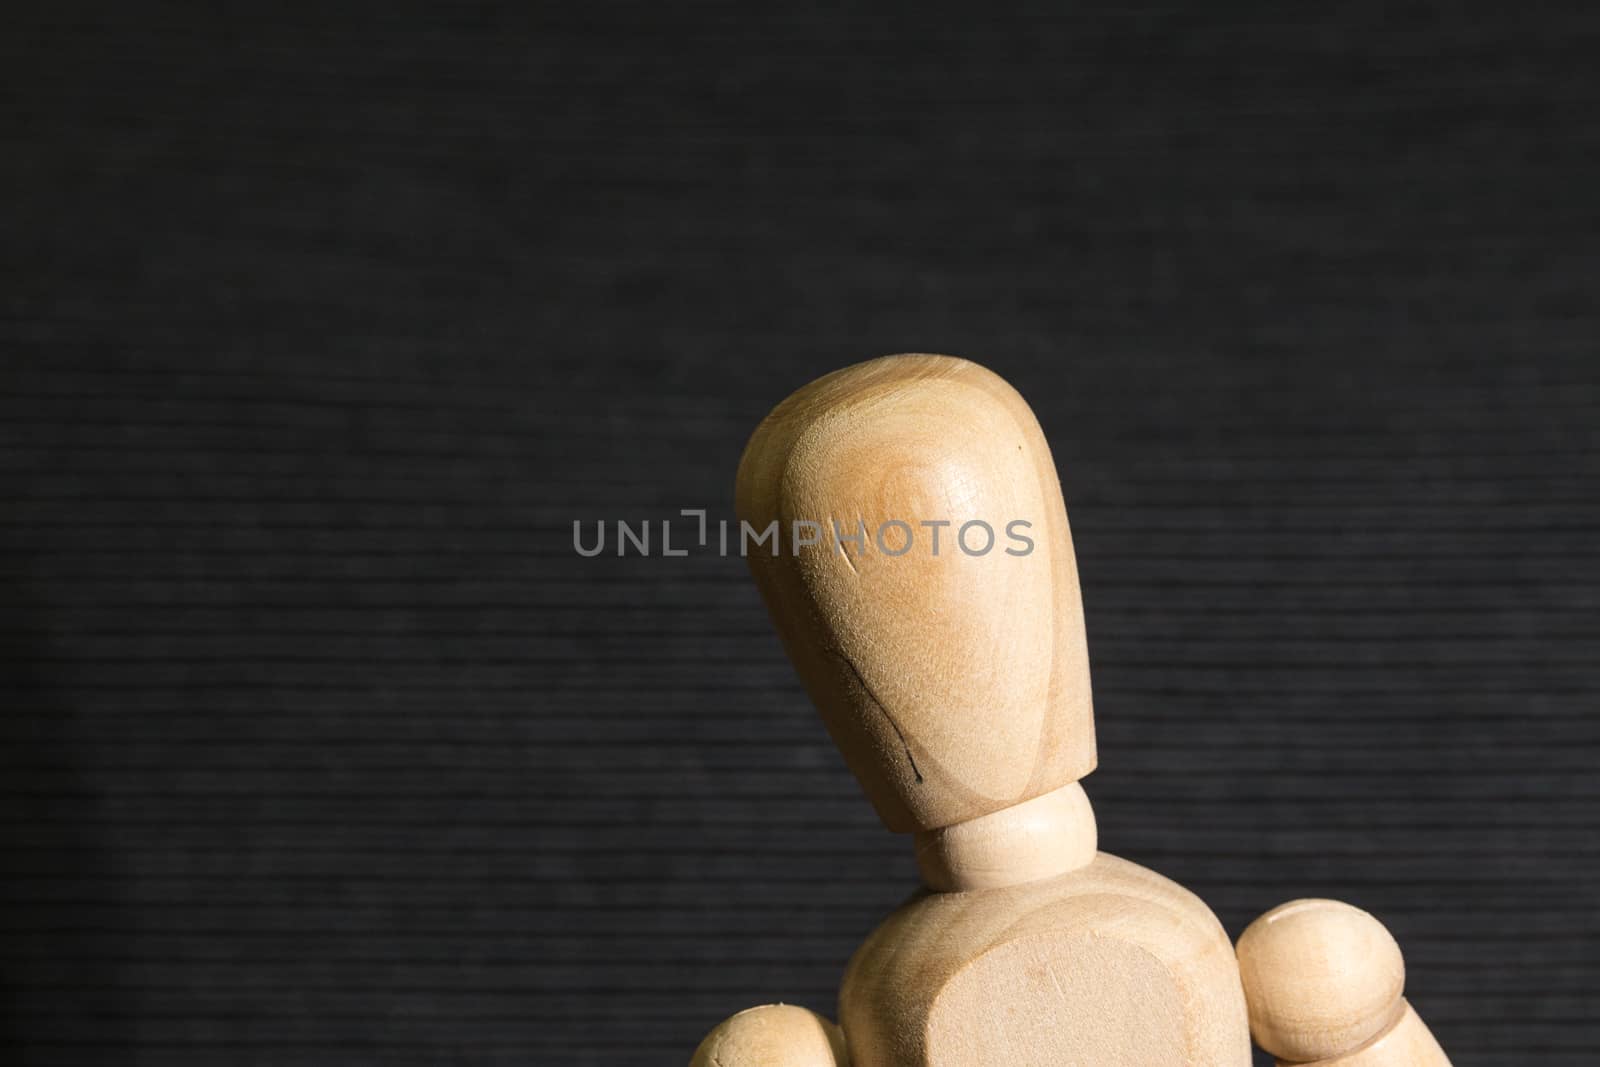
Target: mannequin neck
[{"x": 1040, "y": 838}]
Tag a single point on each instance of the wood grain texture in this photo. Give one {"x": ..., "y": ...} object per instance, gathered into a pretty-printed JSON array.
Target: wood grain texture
[
  {"x": 1406, "y": 1043},
  {"x": 922, "y": 579},
  {"x": 1108, "y": 964},
  {"x": 1039, "y": 838},
  {"x": 956, "y": 685},
  {"x": 321, "y": 746},
  {"x": 1322, "y": 979},
  {"x": 772, "y": 1035}
]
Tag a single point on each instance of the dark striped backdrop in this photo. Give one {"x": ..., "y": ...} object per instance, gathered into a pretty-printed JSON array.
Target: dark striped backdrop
[{"x": 322, "y": 747}]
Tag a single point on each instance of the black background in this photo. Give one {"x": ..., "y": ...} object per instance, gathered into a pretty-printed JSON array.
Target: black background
[{"x": 320, "y": 327}]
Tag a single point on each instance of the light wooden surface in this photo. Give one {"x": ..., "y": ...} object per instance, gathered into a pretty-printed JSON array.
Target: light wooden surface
[
  {"x": 1110, "y": 965},
  {"x": 957, "y": 687},
  {"x": 955, "y": 684},
  {"x": 773, "y": 1035},
  {"x": 1406, "y": 1043},
  {"x": 1039, "y": 838},
  {"x": 1324, "y": 982}
]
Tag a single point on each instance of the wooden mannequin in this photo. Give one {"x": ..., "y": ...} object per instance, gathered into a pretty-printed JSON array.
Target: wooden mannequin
[
  {"x": 956, "y": 683},
  {"x": 1324, "y": 983}
]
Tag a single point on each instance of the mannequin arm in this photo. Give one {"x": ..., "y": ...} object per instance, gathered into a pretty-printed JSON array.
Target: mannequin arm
[
  {"x": 1324, "y": 983},
  {"x": 773, "y": 1035}
]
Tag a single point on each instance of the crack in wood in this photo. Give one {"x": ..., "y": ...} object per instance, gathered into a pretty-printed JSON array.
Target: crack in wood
[{"x": 912, "y": 760}]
